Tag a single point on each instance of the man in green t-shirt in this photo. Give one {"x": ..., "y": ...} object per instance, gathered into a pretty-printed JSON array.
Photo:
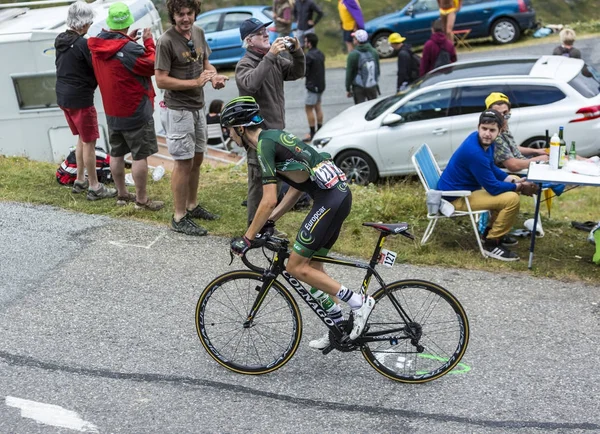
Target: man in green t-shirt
[
  {"x": 283, "y": 155},
  {"x": 182, "y": 69}
]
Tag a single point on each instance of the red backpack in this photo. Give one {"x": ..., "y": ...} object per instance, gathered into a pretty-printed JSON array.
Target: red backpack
[{"x": 66, "y": 174}]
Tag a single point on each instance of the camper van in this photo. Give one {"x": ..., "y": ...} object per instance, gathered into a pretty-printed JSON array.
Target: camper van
[{"x": 31, "y": 123}]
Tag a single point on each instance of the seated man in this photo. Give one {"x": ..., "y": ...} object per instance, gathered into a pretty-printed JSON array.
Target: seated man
[
  {"x": 506, "y": 152},
  {"x": 282, "y": 155},
  {"x": 472, "y": 168}
]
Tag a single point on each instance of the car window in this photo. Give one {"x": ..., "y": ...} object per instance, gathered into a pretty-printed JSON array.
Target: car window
[
  {"x": 234, "y": 20},
  {"x": 471, "y": 99},
  {"x": 533, "y": 95},
  {"x": 425, "y": 5},
  {"x": 587, "y": 82},
  {"x": 430, "y": 105},
  {"x": 209, "y": 23},
  {"x": 268, "y": 12},
  {"x": 386, "y": 103}
]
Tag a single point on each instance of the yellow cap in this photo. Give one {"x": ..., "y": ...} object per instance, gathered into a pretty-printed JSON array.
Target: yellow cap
[
  {"x": 496, "y": 97},
  {"x": 396, "y": 38}
]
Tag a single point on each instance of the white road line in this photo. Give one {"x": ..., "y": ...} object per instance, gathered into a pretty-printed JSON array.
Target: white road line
[{"x": 50, "y": 414}]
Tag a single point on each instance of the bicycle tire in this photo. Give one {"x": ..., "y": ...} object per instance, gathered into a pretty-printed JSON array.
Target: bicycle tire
[
  {"x": 271, "y": 340},
  {"x": 444, "y": 325}
]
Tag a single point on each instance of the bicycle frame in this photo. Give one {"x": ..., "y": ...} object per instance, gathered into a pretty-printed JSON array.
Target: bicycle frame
[{"x": 278, "y": 268}]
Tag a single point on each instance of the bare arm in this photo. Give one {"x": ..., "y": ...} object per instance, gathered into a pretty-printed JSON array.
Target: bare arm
[
  {"x": 517, "y": 164},
  {"x": 265, "y": 208},
  {"x": 286, "y": 204}
]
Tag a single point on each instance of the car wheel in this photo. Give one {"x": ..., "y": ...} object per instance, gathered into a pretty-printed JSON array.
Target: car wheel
[
  {"x": 359, "y": 167},
  {"x": 538, "y": 142},
  {"x": 505, "y": 31},
  {"x": 381, "y": 44}
]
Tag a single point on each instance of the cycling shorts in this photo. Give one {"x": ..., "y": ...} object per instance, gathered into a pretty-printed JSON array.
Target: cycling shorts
[{"x": 321, "y": 227}]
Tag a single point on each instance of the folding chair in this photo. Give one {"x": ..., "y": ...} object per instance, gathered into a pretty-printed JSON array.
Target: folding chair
[
  {"x": 215, "y": 132},
  {"x": 429, "y": 173},
  {"x": 460, "y": 38}
]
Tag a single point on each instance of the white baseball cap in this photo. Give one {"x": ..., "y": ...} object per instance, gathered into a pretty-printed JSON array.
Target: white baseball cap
[{"x": 361, "y": 36}]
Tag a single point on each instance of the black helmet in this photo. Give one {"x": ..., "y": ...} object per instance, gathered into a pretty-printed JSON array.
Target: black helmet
[{"x": 241, "y": 112}]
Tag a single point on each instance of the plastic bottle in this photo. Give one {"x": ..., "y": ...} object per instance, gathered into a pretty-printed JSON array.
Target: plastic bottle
[
  {"x": 483, "y": 222},
  {"x": 572, "y": 152},
  {"x": 158, "y": 173},
  {"x": 322, "y": 298},
  {"x": 554, "y": 151},
  {"x": 563, "y": 153}
]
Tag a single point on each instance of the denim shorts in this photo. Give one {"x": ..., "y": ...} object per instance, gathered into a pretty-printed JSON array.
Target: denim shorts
[{"x": 186, "y": 132}]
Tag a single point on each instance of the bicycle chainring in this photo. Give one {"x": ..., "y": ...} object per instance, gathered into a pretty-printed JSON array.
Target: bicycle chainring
[{"x": 344, "y": 347}]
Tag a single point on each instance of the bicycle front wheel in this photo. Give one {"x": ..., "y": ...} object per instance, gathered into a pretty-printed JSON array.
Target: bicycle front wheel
[
  {"x": 430, "y": 345},
  {"x": 263, "y": 345}
]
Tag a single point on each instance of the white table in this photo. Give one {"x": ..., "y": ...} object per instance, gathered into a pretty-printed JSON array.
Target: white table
[{"x": 540, "y": 173}]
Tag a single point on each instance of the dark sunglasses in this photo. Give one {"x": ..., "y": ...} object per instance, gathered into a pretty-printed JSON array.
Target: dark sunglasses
[{"x": 192, "y": 48}]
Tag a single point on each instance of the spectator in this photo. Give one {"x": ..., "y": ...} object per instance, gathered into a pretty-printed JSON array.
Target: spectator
[
  {"x": 260, "y": 74},
  {"x": 438, "y": 50},
  {"x": 75, "y": 86},
  {"x": 506, "y": 152},
  {"x": 408, "y": 65},
  {"x": 182, "y": 69},
  {"x": 351, "y": 20},
  {"x": 567, "y": 40},
  {"x": 362, "y": 69},
  {"x": 448, "y": 11},
  {"x": 472, "y": 168},
  {"x": 214, "y": 117},
  {"x": 283, "y": 11},
  {"x": 315, "y": 84},
  {"x": 128, "y": 101},
  {"x": 304, "y": 12}
]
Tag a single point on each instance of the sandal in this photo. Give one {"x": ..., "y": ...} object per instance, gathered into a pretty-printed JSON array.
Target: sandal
[
  {"x": 150, "y": 205},
  {"x": 124, "y": 200}
]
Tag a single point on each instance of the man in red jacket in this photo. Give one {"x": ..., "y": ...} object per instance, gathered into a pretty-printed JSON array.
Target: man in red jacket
[
  {"x": 123, "y": 70},
  {"x": 438, "y": 50}
]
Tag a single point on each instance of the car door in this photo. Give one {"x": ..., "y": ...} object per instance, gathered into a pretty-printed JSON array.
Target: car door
[
  {"x": 417, "y": 26},
  {"x": 424, "y": 120},
  {"x": 209, "y": 22},
  {"x": 475, "y": 15},
  {"x": 468, "y": 105},
  {"x": 230, "y": 41}
]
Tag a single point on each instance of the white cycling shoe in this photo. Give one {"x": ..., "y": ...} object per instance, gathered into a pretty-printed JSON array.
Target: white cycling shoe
[
  {"x": 321, "y": 343},
  {"x": 361, "y": 315}
]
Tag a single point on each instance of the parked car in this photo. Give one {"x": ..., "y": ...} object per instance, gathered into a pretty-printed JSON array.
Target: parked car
[
  {"x": 377, "y": 138},
  {"x": 222, "y": 30},
  {"x": 503, "y": 20}
]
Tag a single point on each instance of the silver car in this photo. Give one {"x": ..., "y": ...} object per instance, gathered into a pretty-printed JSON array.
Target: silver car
[{"x": 377, "y": 138}]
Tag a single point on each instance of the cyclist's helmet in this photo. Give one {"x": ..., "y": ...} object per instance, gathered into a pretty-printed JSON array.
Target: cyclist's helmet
[{"x": 241, "y": 112}]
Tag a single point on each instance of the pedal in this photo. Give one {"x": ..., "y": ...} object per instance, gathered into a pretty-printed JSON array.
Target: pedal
[{"x": 328, "y": 349}]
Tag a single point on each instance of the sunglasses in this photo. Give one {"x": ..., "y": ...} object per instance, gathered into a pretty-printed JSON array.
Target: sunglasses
[{"x": 192, "y": 48}]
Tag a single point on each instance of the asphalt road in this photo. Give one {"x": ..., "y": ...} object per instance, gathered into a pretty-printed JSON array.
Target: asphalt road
[
  {"x": 97, "y": 335},
  {"x": 334, "y": 97}
]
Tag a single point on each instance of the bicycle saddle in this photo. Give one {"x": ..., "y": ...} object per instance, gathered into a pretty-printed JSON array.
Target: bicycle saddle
[{"x": 393, "y": 228}]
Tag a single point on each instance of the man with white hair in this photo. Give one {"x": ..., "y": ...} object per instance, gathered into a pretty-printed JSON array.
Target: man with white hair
[{"x": 75, "y": 86}]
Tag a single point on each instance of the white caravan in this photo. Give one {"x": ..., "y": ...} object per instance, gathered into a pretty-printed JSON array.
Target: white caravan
[{"x": 31, "y": 123}]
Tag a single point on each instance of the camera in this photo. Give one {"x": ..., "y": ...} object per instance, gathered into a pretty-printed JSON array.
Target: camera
[{"x": 289, "y": 44}]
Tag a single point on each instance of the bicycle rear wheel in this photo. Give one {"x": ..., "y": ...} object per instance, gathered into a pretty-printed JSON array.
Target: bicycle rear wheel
[
  {"x": 262, "y": 346},
  {"x": 439, "y": 325}
]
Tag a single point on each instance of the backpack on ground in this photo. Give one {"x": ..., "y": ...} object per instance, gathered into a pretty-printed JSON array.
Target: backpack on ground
[
  {"x": 66, "y": 174},
  {"x": 366, "y": 76},
  {"x": 443, "y": 58},
  {"x": 415, "y": 66}
]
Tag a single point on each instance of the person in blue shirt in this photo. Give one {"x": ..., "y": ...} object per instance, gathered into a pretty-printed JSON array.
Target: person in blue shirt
[{"x": 472, "y": 168}]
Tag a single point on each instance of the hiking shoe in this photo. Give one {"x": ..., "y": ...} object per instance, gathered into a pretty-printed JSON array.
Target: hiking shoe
[
  {"x": 187, "y": 226},
  {"x": 202, "y": 213},
  {"x": 321, "y": 343},
  {"x": 495, "y": 250},
  {"x": 360, "y": 316},
  {"x": 124, "y": 200},
  {"x": 150, "y": 205},
  {"x": 80, "y": 187},
  {"x": 102, "y": 193}
]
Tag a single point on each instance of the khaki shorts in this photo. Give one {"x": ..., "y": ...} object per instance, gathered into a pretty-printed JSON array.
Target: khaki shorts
[
  {"x": 186, "y": 132},
  {"x": 141, "y": 142}
]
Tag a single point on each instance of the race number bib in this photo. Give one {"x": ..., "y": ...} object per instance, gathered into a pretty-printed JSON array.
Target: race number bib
[{"x": 326, "y": 174}]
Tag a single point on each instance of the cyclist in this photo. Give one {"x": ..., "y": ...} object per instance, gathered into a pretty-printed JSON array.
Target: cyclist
[{"x": 282, "y": 155}]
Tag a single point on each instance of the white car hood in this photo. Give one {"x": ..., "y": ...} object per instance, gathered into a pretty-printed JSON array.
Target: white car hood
[{"x": 349, "y": 121}]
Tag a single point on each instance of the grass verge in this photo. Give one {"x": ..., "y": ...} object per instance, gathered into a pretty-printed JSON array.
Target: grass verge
[{"x": 563, "y": 253}]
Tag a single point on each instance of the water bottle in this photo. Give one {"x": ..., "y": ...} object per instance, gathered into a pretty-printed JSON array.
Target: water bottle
[
  {"x": 322, "y": 298},
  {"x": 572, "y": 152},
  {"x": 158, "y": 173},
  {"x": 563, "y": 153},
  {"x": 483, "y": 221},
  {"x": 554, "y": 151}
]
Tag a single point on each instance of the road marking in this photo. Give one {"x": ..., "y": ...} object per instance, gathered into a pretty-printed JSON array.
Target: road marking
[
  {"x": 122, "y": 243},
  {"x": 50, "y": 414}
]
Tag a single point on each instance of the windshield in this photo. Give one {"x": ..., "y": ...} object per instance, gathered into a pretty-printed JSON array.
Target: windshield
[
  {"x": 385, "y": 104},
  {"x": 587, "y": 82}
]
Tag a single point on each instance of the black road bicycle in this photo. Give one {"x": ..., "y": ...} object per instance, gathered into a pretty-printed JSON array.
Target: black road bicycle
[{"x": 250, "y": 323}]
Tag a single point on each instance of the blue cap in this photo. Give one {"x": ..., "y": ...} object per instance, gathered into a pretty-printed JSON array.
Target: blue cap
[{"x": 251, "y": 25}]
